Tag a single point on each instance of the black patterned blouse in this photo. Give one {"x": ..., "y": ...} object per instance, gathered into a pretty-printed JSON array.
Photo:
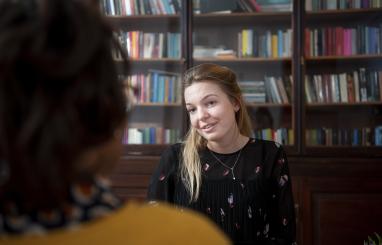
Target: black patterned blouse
[
  {"x": 86, "y": 201},
  {"x": 254, "y": 208}
]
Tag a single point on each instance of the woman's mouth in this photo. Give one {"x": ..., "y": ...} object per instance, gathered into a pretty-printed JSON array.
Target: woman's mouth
[{"x": 207, "y": 128}]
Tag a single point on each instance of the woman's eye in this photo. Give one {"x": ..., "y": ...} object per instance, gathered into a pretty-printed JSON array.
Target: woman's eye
[
  {"x": 211, "y": 103},
  {"x": 191, "y": 110}
]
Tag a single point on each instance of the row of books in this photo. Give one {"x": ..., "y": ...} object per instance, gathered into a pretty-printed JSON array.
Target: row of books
[
  {"x": 151, "y": 45},
  {"x": 253, "y": 91},
  {"x": 283, "y": 136},
  {"x": 158, "y": 135},
  {"x": 202, "y": 51},
  {"x": 140, "y": 7},
  {"x": 339, "y": 40},
  {"x": 254, "y": 43},
  {"x": 344, "y": 136},
  {"x": 248, "y": 6},
  {"x": 358, "y": 86},
  {"x": 156, "y": 87},
  {"x": 259, "y": 6},
  {"x": 315, "y": 5},
  {"x": 230, "y": 6},
  {"x": 275, "y": 5},
  {"x": 151, "y": 135},
  {"x": 275, "y": 90}
]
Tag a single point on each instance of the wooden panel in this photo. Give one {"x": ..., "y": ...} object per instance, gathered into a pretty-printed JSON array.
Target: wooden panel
[
  {"x": 126, "y": 194},
  {"x": 131, "y": 177},
  {"x": 346, "y": 218},
  {"x": 130, "y": 180},
  {"x": 136, "y": 165},
  {"x": 335, "y": 166},
  {"x": 340, "y": 210}
]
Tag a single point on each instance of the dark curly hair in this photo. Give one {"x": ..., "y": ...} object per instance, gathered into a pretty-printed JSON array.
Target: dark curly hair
[{"x": 59, "y": 94}]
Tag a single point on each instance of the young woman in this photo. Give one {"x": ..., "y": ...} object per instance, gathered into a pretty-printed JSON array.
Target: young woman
[
  {"x": 62, "y": 110},
  {"x": 242, "y": 184}
]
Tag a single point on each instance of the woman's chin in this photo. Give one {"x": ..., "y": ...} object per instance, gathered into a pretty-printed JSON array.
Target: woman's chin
[{"x": 210, "y": 136}]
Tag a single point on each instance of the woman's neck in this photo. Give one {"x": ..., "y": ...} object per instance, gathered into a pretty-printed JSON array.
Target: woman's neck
[{"x": 231, "y": 145}]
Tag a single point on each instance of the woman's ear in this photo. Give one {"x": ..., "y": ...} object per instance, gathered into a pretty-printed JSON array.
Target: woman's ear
[{"x": 236, "y": 105}]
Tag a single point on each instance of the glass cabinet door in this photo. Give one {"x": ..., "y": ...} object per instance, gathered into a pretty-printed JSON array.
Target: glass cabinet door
[{"x": 254, "y": 39}]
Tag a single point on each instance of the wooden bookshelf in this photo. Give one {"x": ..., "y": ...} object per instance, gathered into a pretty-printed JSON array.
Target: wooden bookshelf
[
  {"x": 158, "y": 104},
  {"x": 144, "y": 149},
  {"x": 244, "y": 60},
  {"x": 146, "y": 22},
  {"x": 342, "y": 104},
  {"x": 342, "y": 15},
  {"x": 338, "y": 151},
  {"x": 268, "y": 105},
  {"x": 349, "y": 58},
  {"x": 242, "y": 18}
]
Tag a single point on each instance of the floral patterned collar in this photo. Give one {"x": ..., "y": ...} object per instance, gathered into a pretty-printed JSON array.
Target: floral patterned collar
[{"x": 86, "y": 202}]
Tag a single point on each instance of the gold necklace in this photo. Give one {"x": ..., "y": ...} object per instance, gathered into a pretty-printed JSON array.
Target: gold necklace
[{"x": 225, "y": 165}]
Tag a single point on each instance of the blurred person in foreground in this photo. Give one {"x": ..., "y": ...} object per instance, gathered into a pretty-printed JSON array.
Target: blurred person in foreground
[{"x": 62, "y": 111}]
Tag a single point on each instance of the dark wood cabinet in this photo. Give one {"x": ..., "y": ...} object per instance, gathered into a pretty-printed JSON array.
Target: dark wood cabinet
[{"x": 338, "y": 199}]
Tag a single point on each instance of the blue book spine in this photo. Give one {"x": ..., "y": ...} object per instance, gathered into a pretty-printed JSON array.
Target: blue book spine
[
  {"x": 280, "y": 43},
  {"x": 161, "y": 89},
  {"x": 378, "y": 135},
  {"x": 355, "y": 137},
  {"x": 170, "y": 88},
  {"x": 152, "y": 135},
  {"x": 167, "y": 6},
  {"x": 155, "y": 88}
]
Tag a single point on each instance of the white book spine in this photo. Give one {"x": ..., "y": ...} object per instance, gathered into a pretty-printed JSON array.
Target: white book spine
[{"x": 343, "y": 88}]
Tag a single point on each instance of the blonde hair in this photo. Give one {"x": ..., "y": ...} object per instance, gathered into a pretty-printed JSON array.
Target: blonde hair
[{"x": 225, "y": 78}]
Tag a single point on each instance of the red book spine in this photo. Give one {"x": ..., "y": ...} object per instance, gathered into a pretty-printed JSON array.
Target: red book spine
[
  {"x": 255, "y": 5},
  {"x": 307, "y": 43}
]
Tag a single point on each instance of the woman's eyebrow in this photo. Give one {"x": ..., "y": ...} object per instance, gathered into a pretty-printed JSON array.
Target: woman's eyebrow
[{"x": 205, "y": 97}]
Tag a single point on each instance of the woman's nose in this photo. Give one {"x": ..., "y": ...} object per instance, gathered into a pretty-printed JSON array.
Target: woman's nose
[{"x": 202, "y": 114}]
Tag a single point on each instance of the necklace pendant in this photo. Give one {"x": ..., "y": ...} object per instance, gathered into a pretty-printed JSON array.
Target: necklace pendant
[{"x": 226, "y": 172}]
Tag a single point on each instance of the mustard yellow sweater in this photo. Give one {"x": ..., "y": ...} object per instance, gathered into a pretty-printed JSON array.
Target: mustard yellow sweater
[{"x": 133, "y": 224}]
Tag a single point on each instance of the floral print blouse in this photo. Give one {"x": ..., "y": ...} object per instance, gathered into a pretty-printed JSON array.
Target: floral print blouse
[
  {"x": 255, "y": 207},
  {"x": 86, "y": 201}
]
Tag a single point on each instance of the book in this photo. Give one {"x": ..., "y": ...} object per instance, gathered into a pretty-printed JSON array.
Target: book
[
  {"x": 363, "y": 85},
  {"x": 378, "y": 135},
  {"x": 211, "y": 6},
  {"x": 350, "y": 87},
  {"x": 255, "y": 5}
]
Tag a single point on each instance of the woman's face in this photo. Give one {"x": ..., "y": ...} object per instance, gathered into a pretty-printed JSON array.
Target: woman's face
[{"x": 211, "y": 112}]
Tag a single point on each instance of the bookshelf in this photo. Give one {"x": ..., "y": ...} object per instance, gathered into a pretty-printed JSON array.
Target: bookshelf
[
  {"x": 145, "y": 31},
  {"x": 331, "y": 169},
  {"x": 343, "y": 78},
  {"x": 152, "y": 34},
  {"x": 341, "y": 135},
  {"x": 247, "y": 36}
]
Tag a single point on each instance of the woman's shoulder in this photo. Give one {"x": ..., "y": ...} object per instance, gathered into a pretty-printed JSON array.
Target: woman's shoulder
[
  {"x": 130, "y": 224},
  {"x": 268, "y": 145},
  {"x": 172, "y": 154},
  {"x": 172, "y": 150}
]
